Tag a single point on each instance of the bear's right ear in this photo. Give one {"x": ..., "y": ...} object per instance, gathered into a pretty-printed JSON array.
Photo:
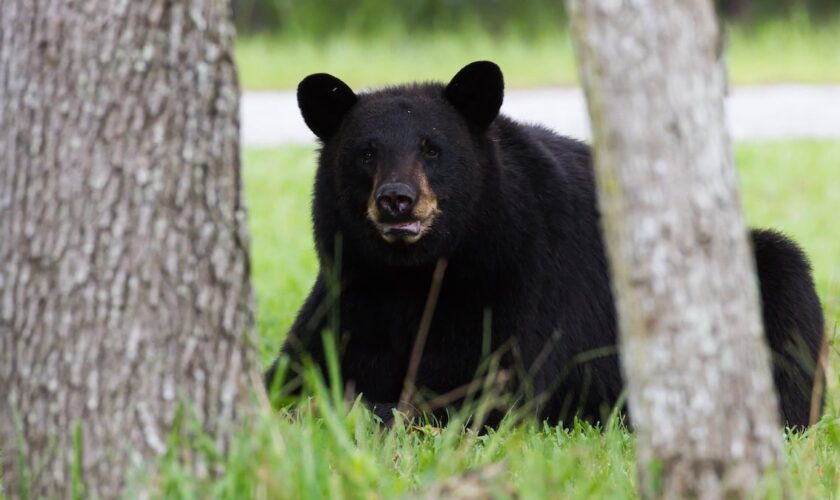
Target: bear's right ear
[
  {"x": 477, "y": 92},
  {"x": 323, "y": 101}
]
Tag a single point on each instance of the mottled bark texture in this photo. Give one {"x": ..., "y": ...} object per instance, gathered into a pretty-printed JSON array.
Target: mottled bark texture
[
  {"x": 124, "y": 271},
  {"x": 700, "y": 390}
]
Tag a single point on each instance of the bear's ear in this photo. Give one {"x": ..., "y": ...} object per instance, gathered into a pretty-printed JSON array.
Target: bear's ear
[
  {"x": 323, "y": 101},
  {"x": 477, "y": 92}
]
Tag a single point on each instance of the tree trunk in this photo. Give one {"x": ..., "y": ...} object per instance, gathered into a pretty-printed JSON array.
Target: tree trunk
[
  {"x": 699, "y": 386},
  {"x": 124, "y": 271}
]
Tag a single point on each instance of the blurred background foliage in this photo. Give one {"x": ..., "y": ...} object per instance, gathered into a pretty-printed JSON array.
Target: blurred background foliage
[
  {"x": 325, "y": 18},
  {"x": 373, "y": 18},
  {"x": 375, "y": 42},
  {"x": 760, "y": 10}
]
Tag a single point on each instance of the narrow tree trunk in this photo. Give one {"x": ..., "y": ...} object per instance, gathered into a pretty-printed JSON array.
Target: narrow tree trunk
[
  {"x": 700, "y": 392},
  {"x": 124, "y": 271}
]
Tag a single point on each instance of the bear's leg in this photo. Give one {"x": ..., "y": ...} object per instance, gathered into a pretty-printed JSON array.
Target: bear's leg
[{"x": 793, "y": 323}]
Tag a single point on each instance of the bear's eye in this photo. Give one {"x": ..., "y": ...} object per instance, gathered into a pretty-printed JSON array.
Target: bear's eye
[
  {"x": 431, "y": 151},
  {"x": 367, "y": 155}
]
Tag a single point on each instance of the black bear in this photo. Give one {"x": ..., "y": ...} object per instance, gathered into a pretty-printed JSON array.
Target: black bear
[{"x": 412, "y": 174}]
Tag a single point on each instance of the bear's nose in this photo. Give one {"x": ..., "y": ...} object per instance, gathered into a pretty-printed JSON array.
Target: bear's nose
[{"x": 395, "y": 199}]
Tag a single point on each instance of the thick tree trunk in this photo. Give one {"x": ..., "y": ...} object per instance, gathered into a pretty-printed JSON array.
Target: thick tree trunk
[
  {"x": 124, "y": 271},
  {"x": 700, "y": 392}
]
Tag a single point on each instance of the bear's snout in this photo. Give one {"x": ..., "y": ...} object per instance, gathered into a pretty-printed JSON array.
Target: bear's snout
[
  {"x": 395, "y": 201},
  {"x": 404, "y": 206}
]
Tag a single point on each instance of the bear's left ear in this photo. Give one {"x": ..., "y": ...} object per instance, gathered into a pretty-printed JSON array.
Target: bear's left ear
[
  {"x": 323, "y": 101},
  {"x": 477, "y": 92}
]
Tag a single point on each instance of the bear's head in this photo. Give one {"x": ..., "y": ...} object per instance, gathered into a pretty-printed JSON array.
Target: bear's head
[{"x": 402, "y": 168}]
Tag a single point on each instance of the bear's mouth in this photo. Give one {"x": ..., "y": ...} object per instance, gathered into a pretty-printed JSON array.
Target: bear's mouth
[
  {"x": 401, "y": 229},
  {"x": 406, "y": 232}
]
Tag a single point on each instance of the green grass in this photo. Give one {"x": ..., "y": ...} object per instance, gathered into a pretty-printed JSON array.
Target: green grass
[
  {"x": 363, "y": 63},
  {"x": 774, "y": 51},
  {"x": 779, "y": 51},
  {"x": 325, "y": 451},
  {"x": 278, "y": 183}
]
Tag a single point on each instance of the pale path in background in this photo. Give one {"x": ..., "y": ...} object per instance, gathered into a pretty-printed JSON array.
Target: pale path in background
[{"x": 766, "y": 112}]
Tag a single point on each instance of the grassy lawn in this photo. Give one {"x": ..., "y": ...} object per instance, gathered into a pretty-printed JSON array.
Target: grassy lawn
[
  {"x": 793, "y": 51},
  {"x": 785, "y": 52},
  {"x": 322, "y": 451}
]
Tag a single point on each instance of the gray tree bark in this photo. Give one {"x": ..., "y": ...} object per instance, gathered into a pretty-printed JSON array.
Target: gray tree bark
[
  {"x": 124, "y": 269},
  {"x": 700, "y": 390}
]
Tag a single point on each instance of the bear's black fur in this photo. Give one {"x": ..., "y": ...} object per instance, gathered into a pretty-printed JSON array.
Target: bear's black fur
[{"x": 412, "y": 174}]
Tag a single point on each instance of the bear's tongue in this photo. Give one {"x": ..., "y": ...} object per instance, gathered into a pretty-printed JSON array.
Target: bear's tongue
[{"x": 411, "y": 227}]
